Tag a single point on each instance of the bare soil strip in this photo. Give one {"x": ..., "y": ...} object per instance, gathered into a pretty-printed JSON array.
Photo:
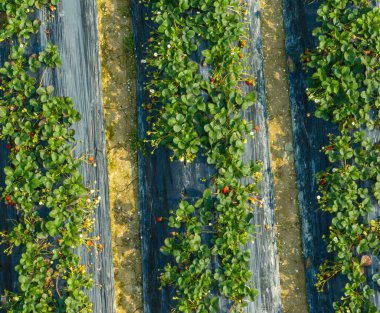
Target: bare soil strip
[
  {"x": 292, "y": 275},
  {"x": 118, "y": 70}
]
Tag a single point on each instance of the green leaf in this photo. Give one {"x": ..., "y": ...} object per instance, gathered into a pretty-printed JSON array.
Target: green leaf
[{"x": 3, "y": 111}]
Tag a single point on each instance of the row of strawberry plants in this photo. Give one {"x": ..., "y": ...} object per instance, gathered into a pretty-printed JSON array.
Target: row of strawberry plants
[
  {"x": 198, "y": 112},
  {"x": 42, "y": 179},
  {"x": 344, "y": 85}
]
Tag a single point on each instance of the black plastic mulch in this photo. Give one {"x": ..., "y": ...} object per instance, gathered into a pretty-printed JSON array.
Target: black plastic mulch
[
  {"x": 75, "y": 31},
  {"x": 310, "y": 135},
  {"x": 163, "y": 183}
]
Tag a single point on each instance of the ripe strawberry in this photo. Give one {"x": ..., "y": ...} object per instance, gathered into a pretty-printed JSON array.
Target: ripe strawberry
[
  {"x": 322, "y": 182},
  {"x": 59, "y": 241},
  {"x": 52, "y": 8},
  {"x": 306, "y": 51},
  {"x": 225, "y": 190},
  {"x": 249, "y": 82},
  {"x": 367, "y": 52},
  {"x": 8, "y": 198},
  {"x": 90, "y": 243},
  {"x": 257, "y": 128},
  {"x": 329, "y": 148},
  {"x": 159, "y": 219},
  {"x": 8, "y": 146},
  {"x": 91, "y": 159},
  {"x": 306, "y": 60}
]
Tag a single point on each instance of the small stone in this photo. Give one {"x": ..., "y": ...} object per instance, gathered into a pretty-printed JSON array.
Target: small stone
[{"x": 289, "y": 147}]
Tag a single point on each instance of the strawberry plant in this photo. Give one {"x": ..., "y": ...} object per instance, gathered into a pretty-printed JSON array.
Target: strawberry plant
[
  {"x": 42, "y": 178},
  {"x": 194, "y": 113},
  {"x": 344, "y": 85}
]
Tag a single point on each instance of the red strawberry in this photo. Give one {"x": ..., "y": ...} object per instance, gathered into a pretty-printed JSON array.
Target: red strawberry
[
  {"x": 52, "y": 8},
  {"x": 91, "y": 159},
  {"x": 159, "y": 219},
  {"x": 90, "y": 243},
  {"x": 322, "y": 182},
  {"x": 367, "y": 52},
  {"x": 249, "y": 82},
  {"x": 257, "y": 128},
  {"x": 306, "y": 51},
  {"x": 225, "y": 190},
  {"x": 8, "y": 198},
  {"x": 8, "y": 146},
  {"x": 329, "y": 148}
]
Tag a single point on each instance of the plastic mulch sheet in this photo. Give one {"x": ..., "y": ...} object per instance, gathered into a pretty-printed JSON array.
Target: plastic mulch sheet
[
  {"x": 310, "y": 135},
  {"x": 75, "y": 31},
  {"x": 163, "y": 183}
]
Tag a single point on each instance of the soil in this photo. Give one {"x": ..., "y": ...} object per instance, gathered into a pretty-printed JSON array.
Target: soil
[
  {"x": 292, "y": 275},
  {"x": 118, "y": 71}
]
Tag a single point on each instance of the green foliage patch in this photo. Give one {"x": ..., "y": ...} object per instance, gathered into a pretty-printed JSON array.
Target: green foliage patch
[
  {"x": 199, "y": 113},
  {"x": 344, "y": 84},
  {"x": 42, "y": 178}
]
